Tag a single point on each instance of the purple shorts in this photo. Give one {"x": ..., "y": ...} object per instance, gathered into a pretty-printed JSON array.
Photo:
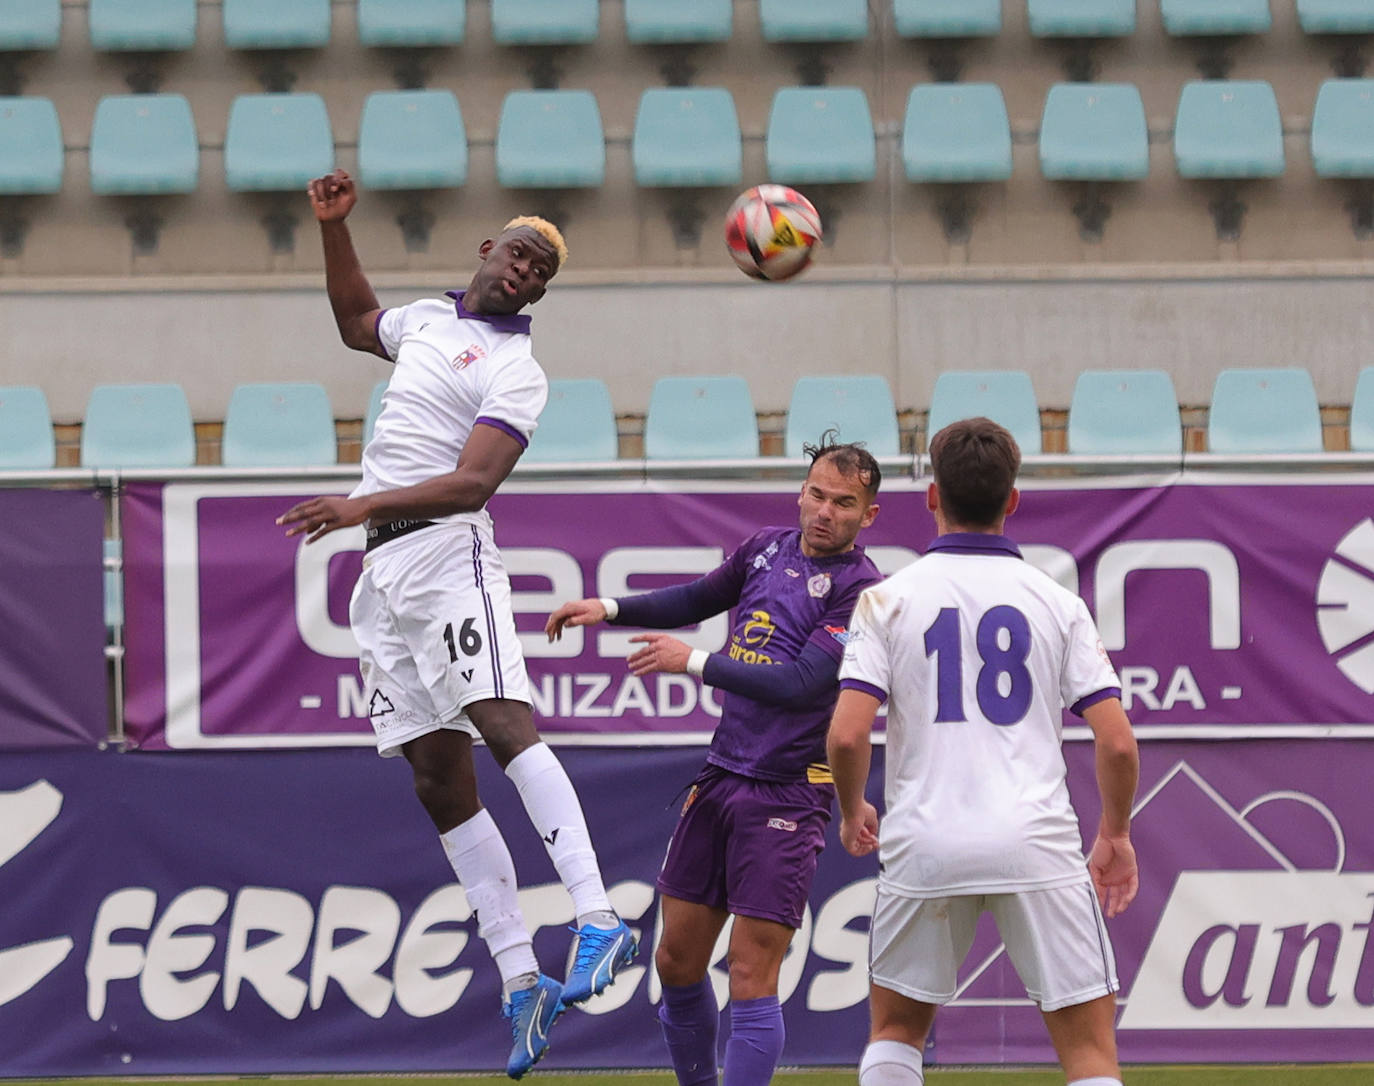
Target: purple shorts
[{"x": 748, "y": 846}]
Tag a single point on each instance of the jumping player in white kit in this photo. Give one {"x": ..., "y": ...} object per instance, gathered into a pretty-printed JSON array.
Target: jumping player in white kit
[
  {"x": 439, "y": 655},
  {"x": 976, "y": 653}
]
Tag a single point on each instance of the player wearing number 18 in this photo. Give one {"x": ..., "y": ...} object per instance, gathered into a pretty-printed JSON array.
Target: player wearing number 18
[{"x": 976, "y": 652}]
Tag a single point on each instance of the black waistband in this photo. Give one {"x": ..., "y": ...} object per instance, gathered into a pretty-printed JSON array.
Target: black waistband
[{"x": 393, "y": 529}]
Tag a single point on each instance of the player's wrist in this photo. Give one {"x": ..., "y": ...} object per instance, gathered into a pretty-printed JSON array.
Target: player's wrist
[
  {"x": 610, "y": 606},
  {"x": 696, "y": 662}
]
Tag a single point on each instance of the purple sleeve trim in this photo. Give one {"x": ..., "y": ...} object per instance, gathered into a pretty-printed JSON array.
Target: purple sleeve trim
[
  {"x": 1092, "y": 699},
  {"x": 504, "y": 427},
  {"x": 864, "y": 688},
  {"x": 377, "y": 331}
]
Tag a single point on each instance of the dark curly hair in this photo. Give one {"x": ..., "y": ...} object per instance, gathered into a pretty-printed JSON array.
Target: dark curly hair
[{"x": 851, "y": 458}]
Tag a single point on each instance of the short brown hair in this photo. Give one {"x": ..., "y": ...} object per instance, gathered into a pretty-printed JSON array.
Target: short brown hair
[
  {"x": 851, "y": 458},
  {"x": 975, "y": 463}
]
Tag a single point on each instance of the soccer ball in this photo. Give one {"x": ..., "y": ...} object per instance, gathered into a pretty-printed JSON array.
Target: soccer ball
[{"x": 770, "y": 232}]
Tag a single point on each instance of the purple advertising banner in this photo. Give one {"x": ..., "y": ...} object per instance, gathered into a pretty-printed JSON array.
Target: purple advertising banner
[
  {"x": 292, "y": 911},
  {"x": 52, "y": 662},
  {"x": 1239, "y": 606}
]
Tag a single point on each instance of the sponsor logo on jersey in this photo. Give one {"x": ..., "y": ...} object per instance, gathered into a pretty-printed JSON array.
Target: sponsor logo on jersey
[
  {"x": 819, "y": 586},
  {"x": 468, "y": 357}
]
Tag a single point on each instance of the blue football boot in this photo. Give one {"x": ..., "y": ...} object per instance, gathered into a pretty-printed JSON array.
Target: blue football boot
[
  {"x": 532, "y": 1012},
  {"x": 598, "y": 955}
]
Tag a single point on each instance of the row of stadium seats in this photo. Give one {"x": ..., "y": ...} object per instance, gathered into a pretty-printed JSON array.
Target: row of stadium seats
[
  {"x": 147, "y": 144},
  {"x": 125, "y": 25},
  {"x": 1122, "y": 412}
]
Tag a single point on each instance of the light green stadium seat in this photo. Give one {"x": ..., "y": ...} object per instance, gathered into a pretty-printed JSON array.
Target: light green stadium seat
[
  {"x": 578, "y": 423},
  {"x": 1362, "y": 413},
  {"x": 30, "y": 24},
  {"x": 662, "y": 21},
  {"x": 701, "y": 418},
  {"x": 687, "y": 136},
  {"x": 276, "y": 142},
  {"x": 143, "y": 144},
  {"x": 412, "y": 140},
  {"x": 819, "y": 135},
  {"x": 955, "y": 132},
  {"x": 1116, "y": 412},
  {"x": 31, "y": 155},
  {"x": 1264, "y": 411},
  {"x": 1343, "y": 128},
  {"x": 374, "y": 408},
  {"x": 276, "y": 24},
  {"x": 947, "y": 18},
  {"x": 26, "y": 437},
  {"x": 1081, "y": 18},
  {"x": 1005, "y": 396},
  {"x": 550, "y": 139},
  {"x": 813, "y": 20},
  {"x": 279, "y": 424},
  {"x": 411, "y": 23},
  {"x": 1228, "y": 128},
  {"x": 544, "y": 22},
  {"x": 1336, "y": 16},
  {"x": 1094, "y": 132},
  {"x": 860, "y": 407},
  {"x": 152, "y": 25},
  {"x": 1187, "y": 17},
  {"x": 138, "y": 426}
]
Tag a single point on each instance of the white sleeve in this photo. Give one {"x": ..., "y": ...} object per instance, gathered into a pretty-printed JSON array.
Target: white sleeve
[
  {"x": 1087, "y": 668},
  {"x": 866, "y": 659},
  {"x": 391, "y": 325},
  {"x": 514, "y": 396}
]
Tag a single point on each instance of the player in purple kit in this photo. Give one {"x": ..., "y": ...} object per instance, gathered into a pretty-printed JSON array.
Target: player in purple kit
[{"x": 754, "y": 822}]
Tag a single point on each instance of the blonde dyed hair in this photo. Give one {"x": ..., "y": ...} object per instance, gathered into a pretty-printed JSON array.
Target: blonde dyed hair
[{"x": 544, "y": 229}]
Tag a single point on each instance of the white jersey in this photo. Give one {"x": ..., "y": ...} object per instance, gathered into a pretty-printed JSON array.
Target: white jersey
[
  {"x": 454, "y": 369},
  {"x": 977, "y": 652}
]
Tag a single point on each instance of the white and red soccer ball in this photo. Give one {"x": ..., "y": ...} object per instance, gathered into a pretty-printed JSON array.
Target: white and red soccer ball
[{"x": 771, "y": 231}]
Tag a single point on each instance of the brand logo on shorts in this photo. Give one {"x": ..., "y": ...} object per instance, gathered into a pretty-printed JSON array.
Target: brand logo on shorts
[
  {"x": 782, "y": 824},
  {"x": 380, "y": 705}
]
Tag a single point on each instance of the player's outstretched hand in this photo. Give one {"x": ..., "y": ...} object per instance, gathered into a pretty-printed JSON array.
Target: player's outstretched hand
[
  {"x": 332, "y": 196},
  {"x": 1112, "y": 866},
  {"x": 576, "y": 613},
  {"x": 661, "y": 652},
  {"x": 320, "y": 516},
  {"x": 859, "y": 834}
]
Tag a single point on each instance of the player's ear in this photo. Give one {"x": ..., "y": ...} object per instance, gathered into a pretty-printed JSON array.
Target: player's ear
[
  {"x": 869, "y": 514},
  {"x": 484, "y": 250},
  {"x": 933, "y": 498},
  {"x": 1013, "y": 500}
]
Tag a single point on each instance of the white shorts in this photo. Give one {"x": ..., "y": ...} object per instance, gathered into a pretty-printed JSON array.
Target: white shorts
[
  {"x": 432, "y": 617},
  {"x": 1055, "y": 938}
]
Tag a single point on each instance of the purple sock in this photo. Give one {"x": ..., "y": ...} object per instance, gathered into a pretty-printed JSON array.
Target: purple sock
[
  {"x": 689, "y": 1017},
  {"x": 755, "y": 1044}
]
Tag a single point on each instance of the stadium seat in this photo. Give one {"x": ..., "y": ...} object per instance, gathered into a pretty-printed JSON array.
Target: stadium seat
[
  {"x": 701, "y": 418},
  {"x": 412, "y": 140},
  {"x": 1343, "y": 128},
  {"x": 813, "y": 20},
  {"x": 143, "y": 144},
  {"x": 138, "y": 426},
  {"x": 956, "y": 132},
  {"x": 662, "y": 21},
  {"x": 26, "y": 438},
  {"x": 1005, "y": 396},
  {"x": 273, "y": 24},
  {"x": 819, "y": 135},
  {"x": 859, "y": 407},
  {"x": 1264, "y": 411},
  {"x": 279, "y": 424},
  {"x": 947, "y": 18},
  {"x": 550, "y": 139},
  {"x": 152, "y": 25},
  {"x": 277, "y": 141},
  {"x": 1228, "y": 129},
  {"x": 30, "y": 24},
  {"x": 1188, "y": 17},
  {"x": 411, "y": 23},
  {"x": 1336, "y": 16},
  {"x": 544, "y": 22},
  {"x": 1081, "y": 18},
  {"x": 31, "y": 157},
  {"x": 687, "y": 136},
  {"x": 374, "y": 408},
  {"x": 1115, "y": 412},
  {"x": 1362, "y": 413},
  {"x": 577, "y": 424},
  {"x": 1094, "y": 132}
]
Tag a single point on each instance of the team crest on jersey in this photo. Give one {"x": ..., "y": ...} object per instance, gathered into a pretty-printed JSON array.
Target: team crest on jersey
[
  {"x": 468, "y": 357},
  {"x": 819, "y": 586},
  {"x": 839, "y": 633}
]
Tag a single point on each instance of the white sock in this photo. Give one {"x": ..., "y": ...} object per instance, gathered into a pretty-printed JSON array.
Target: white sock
[
  {"x": 479, "y": 857},
  {"x": 891, "y": 1063},
  {"x": 557, "y": 815},
  {"x": 1099, "y": 1080}
]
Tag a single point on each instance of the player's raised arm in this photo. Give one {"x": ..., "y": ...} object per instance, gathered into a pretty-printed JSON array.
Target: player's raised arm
[
  {"x": 350, "y": 294},
  {"x": 1112, "y": 858}
]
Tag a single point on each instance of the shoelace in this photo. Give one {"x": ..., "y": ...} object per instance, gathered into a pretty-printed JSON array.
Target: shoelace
[{"x": 589, "y": 946}]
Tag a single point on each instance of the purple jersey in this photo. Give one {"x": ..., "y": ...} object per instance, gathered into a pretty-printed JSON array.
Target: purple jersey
[{"x": 784, "y": 600}]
